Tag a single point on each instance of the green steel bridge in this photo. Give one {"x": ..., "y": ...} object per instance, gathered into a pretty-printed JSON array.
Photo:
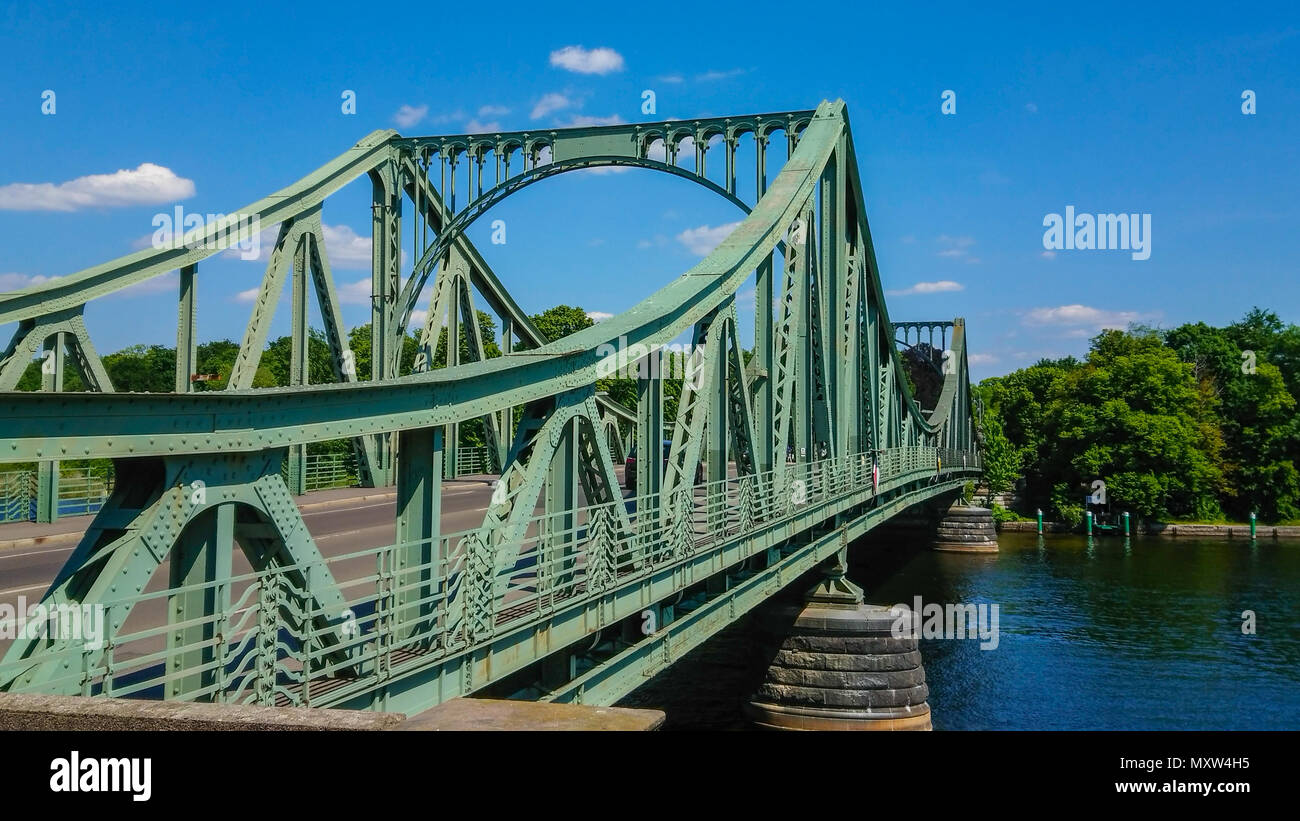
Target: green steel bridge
[{"x": 566, "y": 586}]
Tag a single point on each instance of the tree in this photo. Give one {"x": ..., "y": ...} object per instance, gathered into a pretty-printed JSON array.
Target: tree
[
  {"x": 142, "y": 368},
  {"x": 560, "y": 321},
  {"x": 1000, "y": 457}
]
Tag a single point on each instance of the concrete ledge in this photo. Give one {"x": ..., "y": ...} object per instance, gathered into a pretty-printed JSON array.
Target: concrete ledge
[
  {"x": 31, "y": 711},
  {"x": 498, "y": 714},
  {"x": 23, "y": 711},
  {"x": 1173, "y": 531}
]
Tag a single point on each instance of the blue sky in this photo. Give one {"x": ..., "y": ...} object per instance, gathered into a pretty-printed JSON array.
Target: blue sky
[{"x": 1107, "y": 108}]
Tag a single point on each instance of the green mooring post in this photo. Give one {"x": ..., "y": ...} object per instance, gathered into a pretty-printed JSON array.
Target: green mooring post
[
  {"x": 1040, "y": 521},
  {"x": 1252, "y": 525},
  {"x": 1126, "y": 523},
  {"x": 1087, "y": 522}
]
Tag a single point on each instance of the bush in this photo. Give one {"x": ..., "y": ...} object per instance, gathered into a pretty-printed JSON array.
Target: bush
[{"x": 1001, "y": 514}]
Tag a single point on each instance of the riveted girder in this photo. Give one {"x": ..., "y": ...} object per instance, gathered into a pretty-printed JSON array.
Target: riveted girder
[{"x": 560, "y": 554}]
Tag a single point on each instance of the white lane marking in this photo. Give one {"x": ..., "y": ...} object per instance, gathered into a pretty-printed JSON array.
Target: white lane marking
[
  {"x": 41, "y": 586},
  {"x": 7, "y": 555},
  {"x": 341, "y": 509}
]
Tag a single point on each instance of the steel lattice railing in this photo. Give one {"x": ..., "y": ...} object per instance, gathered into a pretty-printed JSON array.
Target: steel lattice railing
[{"x": 271, "y": 646}]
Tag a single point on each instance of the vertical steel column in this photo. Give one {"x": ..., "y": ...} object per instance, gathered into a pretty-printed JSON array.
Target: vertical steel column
[
  {"x": 765, "y": 350},
  {"x": 872, "y": 364},
  {"x": 649, "y": 436},
  {"x": 385, "y": 276},
  {"x": 763, "y": 341},
  {"x": 506, "y": 427},
  {"x": 201, "y": 560},
  {"x": 186, "y": 337},
  {"x": 47, "y": 473},
  {"x": 557, "y": 556},
  {"x": 840, "y": 304},
  {"x": 716, "y": 430},
  {"x": 419, "y": 554},
  {"x": 298, "y": 355},
  {"x": 802, "y": 356},
  {"x": 453, "y": 359}
]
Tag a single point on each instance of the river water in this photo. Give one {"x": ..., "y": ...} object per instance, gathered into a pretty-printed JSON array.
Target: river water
[{"x": 1108, "y": 634}]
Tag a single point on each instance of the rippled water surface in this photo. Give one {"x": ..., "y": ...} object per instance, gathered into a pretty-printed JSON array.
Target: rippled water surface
[{"x": 1108, "y": 635}]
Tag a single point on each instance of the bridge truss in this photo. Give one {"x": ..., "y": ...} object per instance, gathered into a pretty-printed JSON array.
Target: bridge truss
[{"x": 565, "y": 586}]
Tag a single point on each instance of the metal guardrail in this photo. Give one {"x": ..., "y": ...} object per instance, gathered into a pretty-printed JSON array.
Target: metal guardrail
[
  {"x": 17, "y": 495},
  {"x": 327, "y": 470},
  {"x": 473, "y": 459},
  {"x": 273, "y": 642},
  {"x": 82, "y": 491}
]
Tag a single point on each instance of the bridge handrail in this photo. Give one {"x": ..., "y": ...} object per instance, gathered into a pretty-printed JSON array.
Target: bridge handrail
[{"x": 544, "y": 581}]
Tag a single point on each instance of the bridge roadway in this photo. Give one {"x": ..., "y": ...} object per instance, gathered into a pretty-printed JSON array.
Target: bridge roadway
[{"x": 339, "y": 529}]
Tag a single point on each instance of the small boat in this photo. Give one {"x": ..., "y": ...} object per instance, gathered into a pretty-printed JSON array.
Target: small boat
[{"x": 1104, "y": 520}]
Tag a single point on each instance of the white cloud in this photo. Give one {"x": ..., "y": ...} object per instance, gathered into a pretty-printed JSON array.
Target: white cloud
[
  {"x": 147, "y": 184},
  {"x": 475, "y": 126},
  {"x": 344, "y": 248},
  {"x": 703, "y": 239},
  {"x": 586, "y": 120},
  {"x": 167, "y": 283},
  {"x": 937, "y": 287},
  {"x": 550, "y": 103},
  {"x": 355, "y": 293},
  {"x": 685, "y": 150},
  {"x": 603, "y": 169},
  {"x": 247, "y": 296},
  {"x": 1048, "y": 255},
  {"x": 347, "y": 249},
  {"x": 711, "y": 76},
  {"x": 409, "y": 115},
  {"x": 1081, "y": 315},
  {"x": 493, "y": 111},
  {"x": 747, "y": 299},
  {"x": 598, "y": 316},
  {"x": 584, "y": 61},
  {"x": 981, "y": 358},
  {"x": 1031, "y": 108},
  {"x": 16, "y": 282},
  {"x": 955, "y": 247},
  {"x": 670, "y": 78},
  {"x": 418, "y": 316},
  {"x": 265, "y": 245}
]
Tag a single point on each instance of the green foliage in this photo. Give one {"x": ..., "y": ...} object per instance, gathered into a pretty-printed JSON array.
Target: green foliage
[
  {"x": 1001, "y": 514},
  {"x": 1173, "y": 423},
  {"x": 967, "y": 493},
  {"x": 1000, "y": 457},
  {"x": 560, "y": 321}
]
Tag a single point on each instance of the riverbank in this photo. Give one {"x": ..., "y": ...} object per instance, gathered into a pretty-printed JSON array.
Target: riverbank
[{"x": 1184, "y": 530}]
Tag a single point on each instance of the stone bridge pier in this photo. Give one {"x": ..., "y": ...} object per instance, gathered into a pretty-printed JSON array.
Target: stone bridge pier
[
  {"x": 947, "y": 524},
  {"x": 833, "y": 662}
]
